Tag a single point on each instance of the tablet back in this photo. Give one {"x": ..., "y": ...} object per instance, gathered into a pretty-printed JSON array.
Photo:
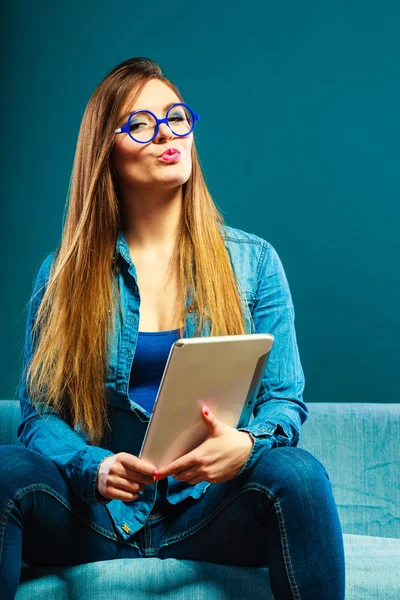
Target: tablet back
[{"x": 222, "y": 372}]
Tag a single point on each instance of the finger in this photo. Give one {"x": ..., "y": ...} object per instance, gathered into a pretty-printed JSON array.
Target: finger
[
  {"x": 186, "y": 475},
  {"x": 131, "y": 475},
  {"x": 124, "y": 484},
  {"x": 197, "y": 479},
  {"x": 117, "y": 494},
  {"x": 132, "y": 462},
  {"x": 181, "y": 464}
]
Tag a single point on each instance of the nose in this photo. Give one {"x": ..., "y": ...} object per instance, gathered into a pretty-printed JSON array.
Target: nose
[{"x": 164, "y": 132}]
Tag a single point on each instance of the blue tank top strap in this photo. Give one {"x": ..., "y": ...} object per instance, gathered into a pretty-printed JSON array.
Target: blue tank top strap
[{"x": 152, "y": 350}]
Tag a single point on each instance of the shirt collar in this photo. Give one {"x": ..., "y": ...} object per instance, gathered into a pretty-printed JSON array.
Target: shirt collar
[{"x": 121, "y": 246}]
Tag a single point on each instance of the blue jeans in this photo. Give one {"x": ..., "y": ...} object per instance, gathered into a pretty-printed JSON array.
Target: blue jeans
[{"x": 281, "y": 513}]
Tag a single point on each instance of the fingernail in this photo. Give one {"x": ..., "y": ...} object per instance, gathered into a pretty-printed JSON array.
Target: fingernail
[{"x": 206, "y": 411}]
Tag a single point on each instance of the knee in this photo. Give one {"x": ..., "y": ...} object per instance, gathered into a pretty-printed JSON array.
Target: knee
[
  {"x": 290, "y": 467},
  {"x": 20, "y": 467}
]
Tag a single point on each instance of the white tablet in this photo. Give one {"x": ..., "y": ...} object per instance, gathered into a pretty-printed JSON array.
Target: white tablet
[{"x": 222, "y": 372}]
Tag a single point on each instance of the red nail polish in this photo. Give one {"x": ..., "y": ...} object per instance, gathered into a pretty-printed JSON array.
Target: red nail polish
[{"x": 206, "y": 412}]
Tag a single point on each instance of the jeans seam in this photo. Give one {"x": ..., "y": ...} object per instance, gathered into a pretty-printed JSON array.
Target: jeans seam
[
  {"x": 281, "y": 523},
  {"x": 249, "y": 486},
  {"x": 285, "y": 549},
  {"x": 48, "y": 490},
  {"x": 3, "y": 519}
]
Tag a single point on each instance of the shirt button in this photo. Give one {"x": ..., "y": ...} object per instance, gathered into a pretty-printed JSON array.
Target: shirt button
[
  {"x": 133, "y": 320},
  {"x": 191, "y": 308}
]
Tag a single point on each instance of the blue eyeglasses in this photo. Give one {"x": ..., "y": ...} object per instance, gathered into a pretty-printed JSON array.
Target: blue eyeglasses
[{"x": 143, "y": 125}]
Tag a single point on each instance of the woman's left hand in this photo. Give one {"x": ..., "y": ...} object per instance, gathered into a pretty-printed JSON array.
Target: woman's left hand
[{"x": 219, "y": 458}]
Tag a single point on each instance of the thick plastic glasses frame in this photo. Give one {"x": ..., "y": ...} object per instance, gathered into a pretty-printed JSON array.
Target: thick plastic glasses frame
[{"x": 125, "y": 128}]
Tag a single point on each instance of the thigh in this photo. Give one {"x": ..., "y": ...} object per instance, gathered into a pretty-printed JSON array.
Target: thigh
[
  {"x": 226, "y": 525},
  {"x": 38, "y": 506},
  {"x": 230, "y": 523},
  {"x": 55, "y": 534},
  {"x": 231, "y": 533},
  {"x": 24, "y": 471}
]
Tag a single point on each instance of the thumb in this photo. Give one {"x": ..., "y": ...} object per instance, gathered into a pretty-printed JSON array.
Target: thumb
[{"x": 209, "y": 419}]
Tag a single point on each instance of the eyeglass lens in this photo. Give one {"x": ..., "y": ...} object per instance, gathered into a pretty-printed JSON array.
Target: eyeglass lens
[{"x": 142, "y": 125}]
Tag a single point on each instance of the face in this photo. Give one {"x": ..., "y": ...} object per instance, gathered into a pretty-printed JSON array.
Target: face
[{"x": 137, "y": 165}]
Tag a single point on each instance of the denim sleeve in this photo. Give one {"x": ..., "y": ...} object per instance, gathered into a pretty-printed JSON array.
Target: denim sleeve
[
  {"x": 45, "y": 432},
  {"x": 279, "y": 410}
]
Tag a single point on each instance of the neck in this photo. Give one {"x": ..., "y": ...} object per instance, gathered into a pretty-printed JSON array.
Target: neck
[{"x": 151, "y": 220}]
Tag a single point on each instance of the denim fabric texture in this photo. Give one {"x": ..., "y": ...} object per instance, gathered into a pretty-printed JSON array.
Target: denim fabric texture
[
  {"x": 280, "y": 512},
  {"x": 279, "y": 410}
]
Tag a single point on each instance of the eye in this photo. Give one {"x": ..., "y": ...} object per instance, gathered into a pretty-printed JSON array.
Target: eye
[
  {"x": 176, "y": 117},
  {"x": 141, "y": 121},
  {"x": 136, "y": 125}
]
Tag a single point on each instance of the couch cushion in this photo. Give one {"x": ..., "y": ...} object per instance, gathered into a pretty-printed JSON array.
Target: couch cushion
[
  {"x": 372, "y": 567},
  {"x": 371, "y": 574},
  {"x": 358, "y": 445},
  {"x": 10, "y": 418},
  {"x": 145, "y": 579}
]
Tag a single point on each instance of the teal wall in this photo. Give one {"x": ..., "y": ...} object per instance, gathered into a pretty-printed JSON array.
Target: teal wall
[{"x": 309, "y": 93}]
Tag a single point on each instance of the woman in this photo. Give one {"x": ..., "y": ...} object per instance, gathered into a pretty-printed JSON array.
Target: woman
[{"x": 146, "y": 258}]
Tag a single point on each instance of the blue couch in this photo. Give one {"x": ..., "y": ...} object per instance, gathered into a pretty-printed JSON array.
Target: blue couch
[{"x": 359, "y": 446}]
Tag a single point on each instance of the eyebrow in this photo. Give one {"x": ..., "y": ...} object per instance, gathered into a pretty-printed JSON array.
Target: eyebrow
[{"x": 126, "y": 115}]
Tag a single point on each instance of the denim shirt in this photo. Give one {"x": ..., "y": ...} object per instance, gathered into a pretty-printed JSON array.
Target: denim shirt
[{"x": 278, "y": 412}]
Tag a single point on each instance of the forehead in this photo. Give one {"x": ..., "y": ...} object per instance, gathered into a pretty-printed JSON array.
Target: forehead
[{"x": 155, "y": 96}]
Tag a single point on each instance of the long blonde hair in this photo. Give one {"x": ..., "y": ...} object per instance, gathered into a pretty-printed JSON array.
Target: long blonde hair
[{"x": 76, "y": 313}]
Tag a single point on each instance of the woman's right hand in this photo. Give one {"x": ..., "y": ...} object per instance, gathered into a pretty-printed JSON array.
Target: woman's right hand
[{"x": 123, "y": 476}]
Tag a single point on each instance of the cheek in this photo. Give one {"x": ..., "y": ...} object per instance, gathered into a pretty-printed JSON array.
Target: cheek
[
  {"x": 125, "y": 159},
  {"x": 129, "y": 160},
  {"x": 187, "y": 151},
  {"x": 189, "y": 142},
  {"x": 125, "y": 153}
]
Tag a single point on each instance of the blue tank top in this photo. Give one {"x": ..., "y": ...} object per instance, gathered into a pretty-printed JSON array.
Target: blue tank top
[{"x": 151, "y": 355}]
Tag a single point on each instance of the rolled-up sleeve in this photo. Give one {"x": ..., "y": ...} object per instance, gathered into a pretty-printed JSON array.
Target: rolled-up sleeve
[
  {"x": 44, "y": 431},
  {"x": 279, "y": 410}
]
